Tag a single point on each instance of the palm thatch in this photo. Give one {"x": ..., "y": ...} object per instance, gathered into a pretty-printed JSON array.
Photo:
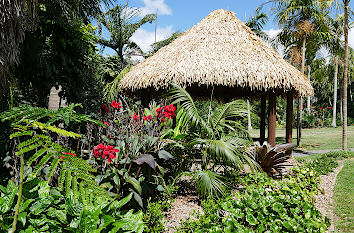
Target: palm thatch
[{"x": 219, "y": 51}]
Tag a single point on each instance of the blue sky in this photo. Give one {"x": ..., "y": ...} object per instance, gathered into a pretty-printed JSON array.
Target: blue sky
[{"x": 180, "y": 15}]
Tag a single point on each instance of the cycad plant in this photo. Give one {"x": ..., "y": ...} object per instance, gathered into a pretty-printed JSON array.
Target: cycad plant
[{"x": 210, "y": 145}]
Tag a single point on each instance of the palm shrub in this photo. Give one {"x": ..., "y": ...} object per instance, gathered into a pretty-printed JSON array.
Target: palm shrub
[{"x": 213, "y": 144}]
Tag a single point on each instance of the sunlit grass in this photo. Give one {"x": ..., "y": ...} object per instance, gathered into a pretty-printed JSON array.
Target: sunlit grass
[
  {"x": 316, "y": 138},
  {"x": 344, "y": 198}
]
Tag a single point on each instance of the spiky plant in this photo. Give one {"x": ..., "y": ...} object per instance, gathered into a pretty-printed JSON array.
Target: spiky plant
[{"x": 271, "y": 160}]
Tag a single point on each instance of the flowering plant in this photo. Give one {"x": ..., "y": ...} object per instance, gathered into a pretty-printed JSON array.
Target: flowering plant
[{"x": 128, "y": 150}]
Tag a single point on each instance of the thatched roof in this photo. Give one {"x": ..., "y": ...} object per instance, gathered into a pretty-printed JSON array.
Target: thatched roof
[{"x": 221, "y": 51}]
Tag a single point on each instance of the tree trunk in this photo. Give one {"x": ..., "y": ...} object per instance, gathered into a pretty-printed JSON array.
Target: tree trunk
[
  {"x": 249, "y": 115},
  {"x": 299, "y": 112},
  {"x": 308, "y": 97},
  {"x": 345, "y": 78},
  {"x": 334, "y": 118}
]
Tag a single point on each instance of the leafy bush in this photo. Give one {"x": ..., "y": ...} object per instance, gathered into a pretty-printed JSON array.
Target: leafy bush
[
  {"x": 83, "y": 207},
  {"x": 262, "y": 204},
  {"x": 45, "y": 209},
  {"x": 154, "y": 215},
  {"x": 327, "y": 162}
]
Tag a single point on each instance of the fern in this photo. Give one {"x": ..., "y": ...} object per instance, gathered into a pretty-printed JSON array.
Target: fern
[{"x": 17, "y": 115}]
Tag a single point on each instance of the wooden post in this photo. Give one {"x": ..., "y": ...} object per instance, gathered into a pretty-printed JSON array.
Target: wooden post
[
  {"x": 272, "y": 118},
  {"x": 289, "y": 119},
  {"x": 263, "y": 120}
]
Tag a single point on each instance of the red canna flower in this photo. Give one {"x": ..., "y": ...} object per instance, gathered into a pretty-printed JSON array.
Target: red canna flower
[
  {"x": 104, "y": 109},
  {"x": 135, "y": 117},
  {"x": 106, "y": 123},
  {"x": 116, "y": 105}
]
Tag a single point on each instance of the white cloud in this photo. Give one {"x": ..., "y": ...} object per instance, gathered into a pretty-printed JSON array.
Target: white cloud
[
  {"x": 151, "y": 6},
  {"x": 272, "y": 33},
  {"x": 146, "y": 38}
]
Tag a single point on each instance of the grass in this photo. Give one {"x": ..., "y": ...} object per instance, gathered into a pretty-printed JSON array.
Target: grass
[
  {"x": 344, "y": 198},
  {"x": 315, "y": 139}
]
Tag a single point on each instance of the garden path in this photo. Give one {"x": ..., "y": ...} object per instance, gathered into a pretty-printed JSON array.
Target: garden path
[{"x": 298, "y": 153}]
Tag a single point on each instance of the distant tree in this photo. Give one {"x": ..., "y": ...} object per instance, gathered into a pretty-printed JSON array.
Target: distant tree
[
  {"x": 301, "y": 18},
  {"x": 159, "y": 44},
  {"x": 121, "y": 23}
]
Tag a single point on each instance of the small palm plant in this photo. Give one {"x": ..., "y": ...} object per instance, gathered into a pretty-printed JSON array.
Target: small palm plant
[{"x": 213, "y": 144}]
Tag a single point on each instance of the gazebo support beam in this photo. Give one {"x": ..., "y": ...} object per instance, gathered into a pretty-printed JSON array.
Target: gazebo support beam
[
  {"x": 272, "y": 118},
  {"x": 263, "y": 120},
  {"x": 289, "y": 119}
]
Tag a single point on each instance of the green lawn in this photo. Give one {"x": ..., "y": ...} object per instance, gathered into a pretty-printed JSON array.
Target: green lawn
[
  {"x": 344, "y": 198},
  {"x": 317, "y": 138}
]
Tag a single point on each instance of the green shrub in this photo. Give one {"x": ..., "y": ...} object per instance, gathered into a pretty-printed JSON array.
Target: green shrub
[
  {"x": 262, "y": 204},
  {"x": 327, "y": 162},
  {"x": 155, "y": 212}
]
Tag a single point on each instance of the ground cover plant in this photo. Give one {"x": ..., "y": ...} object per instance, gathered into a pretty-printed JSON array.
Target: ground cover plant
[
  {"x": 325, "y": 163},
  {"x": 262, "y": 204}
]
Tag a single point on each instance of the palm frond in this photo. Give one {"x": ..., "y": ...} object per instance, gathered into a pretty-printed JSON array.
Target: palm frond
[{"x": 208, "y": 183}]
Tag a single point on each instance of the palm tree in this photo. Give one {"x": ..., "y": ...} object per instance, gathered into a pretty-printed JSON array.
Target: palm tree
[
  {"x": 256, "y": 24},
  {"x": 213, "y": 143},
  {"x": 345, "y": 78},
  {"x": 119, "y": 21},
  {"x": 302, "y": 18},
  {"x": 334, "y": 44}
]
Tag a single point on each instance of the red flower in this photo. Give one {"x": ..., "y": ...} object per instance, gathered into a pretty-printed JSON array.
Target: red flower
[
  {"x": 105, "y": 152},
  {"x": 135, "y": 117},
  {"x": 106, "y": 123},
  {"x": 328, "y": 107},
  {"x": 116, "y": 105},
  {"x": 67, "y": 153},
  {"x": 145, "y": 118},
  {"x": 104, "y": 109}
]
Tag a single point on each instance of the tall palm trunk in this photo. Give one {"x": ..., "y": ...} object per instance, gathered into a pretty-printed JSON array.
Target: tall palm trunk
[
  {"x": 334, "y": 118},
  {"x": 308, "y": 97},
  {"x": 299, "y": 112},
  {"x": 345, "y": 78},
  {"x": 249, "y": 115}
]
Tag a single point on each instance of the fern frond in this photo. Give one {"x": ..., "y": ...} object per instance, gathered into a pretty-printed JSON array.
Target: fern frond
[
  {"x": 67, "y": 183},
  {"x": 29, "y": 148},
  {"x": 42, "y": 162},
  {"x": 36, "y": 155},
  {"x": 54, "y": 129},
  {"x": 61, "y": 180},
  {"x": 20, "y": 134},
  {"x": 52, "y": 169}
]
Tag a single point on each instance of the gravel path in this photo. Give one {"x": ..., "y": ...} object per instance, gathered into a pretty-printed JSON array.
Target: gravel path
[
  {"x": 306, "y": 153},
  {"x": 324, "y": 202},
  {"x": 182, "y": 208}
]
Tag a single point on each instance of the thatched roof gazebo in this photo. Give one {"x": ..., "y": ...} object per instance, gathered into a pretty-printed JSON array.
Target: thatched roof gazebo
[{"x": 221, "y": 53}]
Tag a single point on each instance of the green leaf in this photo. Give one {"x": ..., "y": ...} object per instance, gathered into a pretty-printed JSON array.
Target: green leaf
[
  {"x": 22, "y": 217},
  {"x": 165, "y": 155},
  {"x": 134, "y": 182},
  {"x": 251, "y": 219}
]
